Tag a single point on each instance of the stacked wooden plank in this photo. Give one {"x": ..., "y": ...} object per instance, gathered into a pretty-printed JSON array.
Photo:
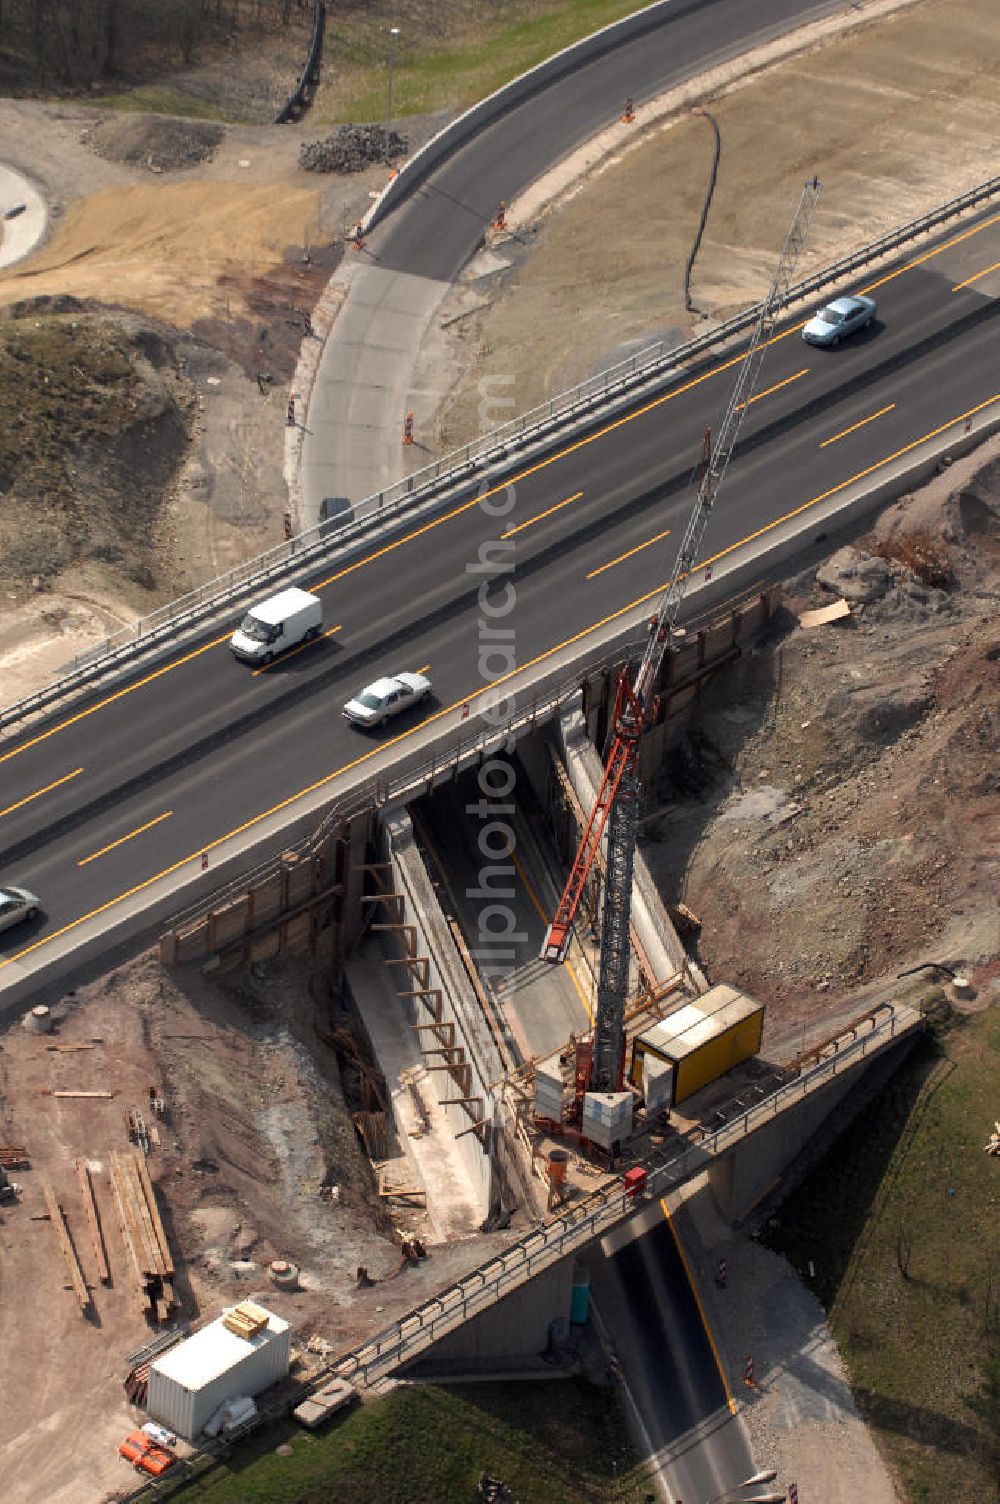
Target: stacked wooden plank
[
  {"x": 246, "y": 1320},
  {"x": 142, "y": 1230}
]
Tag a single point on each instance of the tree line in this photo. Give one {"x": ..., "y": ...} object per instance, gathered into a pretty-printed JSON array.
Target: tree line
[{"x": 75, "y": 43}]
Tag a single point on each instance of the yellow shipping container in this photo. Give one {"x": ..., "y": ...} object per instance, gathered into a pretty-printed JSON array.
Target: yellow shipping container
[{"x": 702, "y": 1040}]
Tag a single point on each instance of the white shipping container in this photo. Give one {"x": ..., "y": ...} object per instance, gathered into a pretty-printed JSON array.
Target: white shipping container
[{"x": 189, "y": 1383}]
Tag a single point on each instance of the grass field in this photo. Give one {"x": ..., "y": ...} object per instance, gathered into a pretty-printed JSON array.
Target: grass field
[
  {"x": 552, "y": 1442},
  {"x": 450, "y": 54},
  {"x": 902, "y": 1224},
  {"x": 437, "y": 72}
]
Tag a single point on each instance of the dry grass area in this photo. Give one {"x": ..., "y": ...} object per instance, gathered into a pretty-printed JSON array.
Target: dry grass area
[{"x": 898, "y": 113}]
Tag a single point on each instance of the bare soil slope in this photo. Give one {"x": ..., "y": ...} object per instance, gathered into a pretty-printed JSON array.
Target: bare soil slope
[{"x": 833, "y": 816}]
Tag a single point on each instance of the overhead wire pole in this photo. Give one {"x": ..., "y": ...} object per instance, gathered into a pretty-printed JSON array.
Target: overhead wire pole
[{"x": 616, "y": 805}]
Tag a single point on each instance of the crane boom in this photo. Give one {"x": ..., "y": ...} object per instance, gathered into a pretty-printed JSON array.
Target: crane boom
[{"x": 633, "y": 699}]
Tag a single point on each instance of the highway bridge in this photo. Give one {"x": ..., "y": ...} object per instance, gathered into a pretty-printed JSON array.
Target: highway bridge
[{"x": 114, "y": 800}]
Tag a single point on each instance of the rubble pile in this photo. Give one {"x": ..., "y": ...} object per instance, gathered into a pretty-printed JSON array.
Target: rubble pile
[{"x": 352, "y": 148}]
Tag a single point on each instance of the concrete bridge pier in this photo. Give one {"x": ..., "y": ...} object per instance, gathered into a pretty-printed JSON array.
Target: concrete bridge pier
[
  {"x": 748, "y": 1172},
  {"x": 510, "y": 1336}
]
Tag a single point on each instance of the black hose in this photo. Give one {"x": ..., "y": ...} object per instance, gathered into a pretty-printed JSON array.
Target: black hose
[{"x": 704, "y": 213}]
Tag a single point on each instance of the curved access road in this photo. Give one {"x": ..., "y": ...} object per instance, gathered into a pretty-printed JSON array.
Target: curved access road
[
  {"x": 433, "y": 233},
  {"x": 351, "y": 444}
]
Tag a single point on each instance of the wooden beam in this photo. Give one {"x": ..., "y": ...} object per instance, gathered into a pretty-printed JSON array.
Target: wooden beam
[
  {"x": 473, "y": 1127},
  {"x": 68, "y": 1251},
  {"x": 99, "y": 1096},
  {"x": 90, "y": 1203},
  {"x": 155, "y": 1261},
  {"x": 123, "y": 1223},
  {"x": 459, "y": 1101},
  {"x": 147, "y": 1250},
  {"x": 154, "y": 1211}
]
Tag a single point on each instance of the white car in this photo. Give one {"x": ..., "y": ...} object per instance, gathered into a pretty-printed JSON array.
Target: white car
[
  {"x": 160, "y": 1433},
  {"x": 16, "y": 904},
  {"x": 838, "y": 319},
  {"x": 379, "y": 702}
]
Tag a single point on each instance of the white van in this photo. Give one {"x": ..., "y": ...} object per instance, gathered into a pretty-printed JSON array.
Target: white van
[{"x": 277, "y": 624}]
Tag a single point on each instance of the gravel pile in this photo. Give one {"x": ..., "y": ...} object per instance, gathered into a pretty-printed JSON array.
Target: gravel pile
[
  {"x": 351, "y": 148},
  {"x": 158, "y": 143}
]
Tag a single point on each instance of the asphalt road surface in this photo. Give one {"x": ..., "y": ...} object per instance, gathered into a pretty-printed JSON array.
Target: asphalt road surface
[
  {"x": 649, "y": 1309},
  {"x": 96, "y": 803},
  {"x": 435, "y": 232}
]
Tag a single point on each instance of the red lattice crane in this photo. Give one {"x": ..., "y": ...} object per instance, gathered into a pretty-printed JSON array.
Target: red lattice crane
[{"x": 617, "y": 804}]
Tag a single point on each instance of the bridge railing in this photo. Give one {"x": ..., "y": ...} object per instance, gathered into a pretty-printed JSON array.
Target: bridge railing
[
  {"x": 600, "y": 1211},
  {"x": 418, "y": 774},
  {"x": 494, "y": 452}
]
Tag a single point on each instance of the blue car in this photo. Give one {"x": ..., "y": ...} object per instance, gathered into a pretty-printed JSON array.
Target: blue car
[{"x": 838, "y": 319}]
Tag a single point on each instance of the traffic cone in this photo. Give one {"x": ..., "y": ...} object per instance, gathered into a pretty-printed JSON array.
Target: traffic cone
[{"x": 748, "y": 1373}]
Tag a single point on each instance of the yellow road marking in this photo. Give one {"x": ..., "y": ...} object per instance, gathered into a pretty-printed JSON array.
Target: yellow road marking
[
  {"x": 567, "y": 965},
  {"x": 39, "y": 792},
  {"x": 447, "y": 709},
  {"x": 927, "y": 255},
  {"x": 514, "y": 480},
  {"x": 540, "y": 516},
  {"x": 969, "y": 280},
  {"x": 621, "y": 557},
  {"x": 423, "y": 669},
  {"x": 701, "y": 1309},
  {"x": 122, "y": 839},
  {"x": 119, "y": 694},
  {"x": 858, "y": 475},
  {"x": 775, "y": 388},
  {"x": 292, "y": 652},
  {"x": 854, "y": 426}
]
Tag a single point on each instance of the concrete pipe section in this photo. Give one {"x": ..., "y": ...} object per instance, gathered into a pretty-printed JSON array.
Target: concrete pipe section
[{"x": 24, "y": 217}]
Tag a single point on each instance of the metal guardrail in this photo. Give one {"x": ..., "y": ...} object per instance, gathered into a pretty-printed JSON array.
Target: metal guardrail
[
  {"x": 499, "y": 1276},
  {"x": 392, "y": 786},
  {"x": 301, "y": 98},
  {"x": 657, "y": 363}
]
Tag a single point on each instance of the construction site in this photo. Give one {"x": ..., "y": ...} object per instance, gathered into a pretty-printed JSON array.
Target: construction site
[
  {"x": 354, "y": 1116},
  {"x": 448, "y": 1024}
]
